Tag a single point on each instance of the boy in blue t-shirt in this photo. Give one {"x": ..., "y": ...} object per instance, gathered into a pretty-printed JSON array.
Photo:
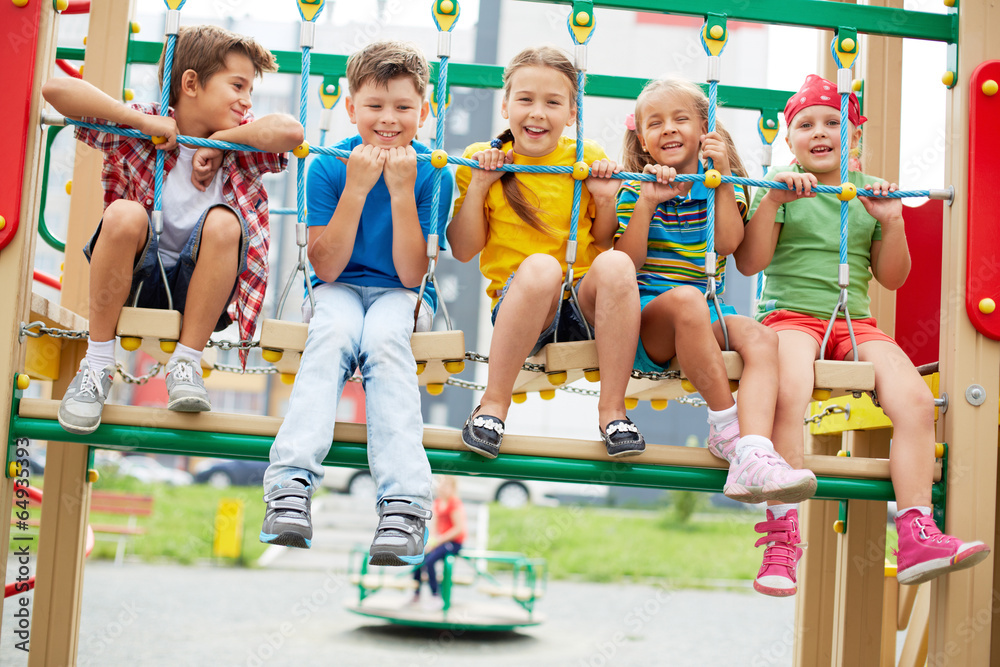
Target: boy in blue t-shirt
[{"x": 369, "y": 216}]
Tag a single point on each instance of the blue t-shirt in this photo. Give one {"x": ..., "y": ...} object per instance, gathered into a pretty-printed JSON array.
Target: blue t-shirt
[{"x": 371, "y": 262}]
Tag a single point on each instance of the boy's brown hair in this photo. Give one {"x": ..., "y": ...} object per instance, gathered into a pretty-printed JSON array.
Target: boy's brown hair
[
  {"x": 203, "y": 48},
  {"x": 381, "y": 62}
]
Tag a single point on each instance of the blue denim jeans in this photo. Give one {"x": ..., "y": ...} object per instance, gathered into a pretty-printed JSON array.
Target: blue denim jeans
[
  {"x": 368, "y": 328},
  {"x": 430, "y": 559}
]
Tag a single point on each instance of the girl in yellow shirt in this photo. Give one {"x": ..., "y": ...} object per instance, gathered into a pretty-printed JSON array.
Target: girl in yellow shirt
[{"x": 519, "y": 224}]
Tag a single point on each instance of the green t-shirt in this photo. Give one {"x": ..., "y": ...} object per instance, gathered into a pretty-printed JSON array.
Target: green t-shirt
[{"x": 802, "y": 276}]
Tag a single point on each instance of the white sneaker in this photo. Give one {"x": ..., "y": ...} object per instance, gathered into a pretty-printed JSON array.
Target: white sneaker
[
  {"x": 185, "y": 387},
  {"x": 81, "y": 407}
]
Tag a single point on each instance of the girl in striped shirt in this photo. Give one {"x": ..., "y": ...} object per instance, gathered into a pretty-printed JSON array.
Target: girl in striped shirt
[{"x": 663, "y": 227}]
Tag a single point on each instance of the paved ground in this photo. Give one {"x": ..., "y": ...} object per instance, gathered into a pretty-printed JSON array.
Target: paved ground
[{"x": 292, "y": 611}]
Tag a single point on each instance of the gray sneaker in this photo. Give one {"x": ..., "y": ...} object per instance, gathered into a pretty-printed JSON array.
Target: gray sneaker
[
  {"x": 80, "y": 410},
  {"x": 287, "y": 521},
  {"x": 185, "y": 388},
  {"x": 400, "y": 535}
]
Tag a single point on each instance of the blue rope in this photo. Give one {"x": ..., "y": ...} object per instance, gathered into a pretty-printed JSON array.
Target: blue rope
[
  {"x": 844, "y": 148},
  {"x": 168, "y": 63},
  {"x": 713, "y": 100},
  {"x": 300, "y": 170},
  {"x": 577, "y": 185},
  {"x": 441, "y": 93}
]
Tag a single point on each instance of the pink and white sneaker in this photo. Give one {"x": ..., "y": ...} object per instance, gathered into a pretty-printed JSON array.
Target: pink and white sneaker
[
  {"x": 776, "y": 576},
  {"x": 763, "y": 475},
  {"x": 925, "y": 552},
  {"x": 722, "y": 443}
]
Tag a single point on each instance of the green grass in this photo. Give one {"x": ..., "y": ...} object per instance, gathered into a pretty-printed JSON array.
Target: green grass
[
  {"x": 181, "y": 527},
  {"x": 609, "y": 546}
]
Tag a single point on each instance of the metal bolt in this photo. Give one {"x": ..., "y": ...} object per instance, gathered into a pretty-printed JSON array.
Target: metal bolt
[{"x": 975, "y": 394}]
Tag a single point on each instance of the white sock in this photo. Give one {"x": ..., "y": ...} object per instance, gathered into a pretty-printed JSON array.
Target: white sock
[
  {"x": 722, "y": 417},
  {"x": 100, "y": 354},
  {"x": 184, "y": 352},
  {"x": 779, "y": 511},
  {"x": 748, "y": 442},
  {"x": 923, "y": 509}
]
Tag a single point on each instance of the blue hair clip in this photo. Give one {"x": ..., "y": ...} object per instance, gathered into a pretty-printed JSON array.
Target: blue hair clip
[{"x": 496, "y": 143}]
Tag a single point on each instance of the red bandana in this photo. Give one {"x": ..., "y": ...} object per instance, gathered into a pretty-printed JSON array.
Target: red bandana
[{"x": 817, "y": 90}]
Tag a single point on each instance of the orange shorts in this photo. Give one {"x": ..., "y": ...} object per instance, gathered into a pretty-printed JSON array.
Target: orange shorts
[{"x": 839, "y": 345}]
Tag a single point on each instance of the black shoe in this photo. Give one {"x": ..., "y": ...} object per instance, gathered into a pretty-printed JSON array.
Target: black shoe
[
  {"x": 622, "y": 438},
  {"x": 483, "y": 434}
]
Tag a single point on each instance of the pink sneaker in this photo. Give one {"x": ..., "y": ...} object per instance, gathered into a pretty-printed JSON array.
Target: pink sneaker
[
  {"x": 777, "y": 574},
  {"x": 763, "y": 475},
  {"x": 723, "y": 443},
  {"x": 925, "y": 552}
]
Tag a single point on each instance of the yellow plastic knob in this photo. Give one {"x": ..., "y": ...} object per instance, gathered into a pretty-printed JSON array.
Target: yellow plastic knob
[
  {"x": 134, "y": 27},
  {"x": 948, "y": 79},
  {"x": 205, "y": 372},
  {"x": 658, "y": 404},
  {"x": 839, "y": 526},
  {"x": 81, "y": 70},
  {"x": 848, "y": 192},
  {"x": 713, "y": 178},
  {"x": 716, "y": 32},
  {"x": 3, "y": 222},
  {"x": 421, "y": 367},
  {"x": 847, "y": 46},
  {"x": 13, "y": 469},
  {"x": 949, "y": 3},
  {"x": 439, "y": 158},
  {"x": 128, "y": 94},
  {"x": 93, "y": 476},
  {"x": 519, "y": 397},
  {"x": 821, "y": 394},
  {"x": 582, "y": 18},
  {"x": 85, "y": 40},
  {"x": 547, "y": 394},
  {"x": 23, "y": 381},
  {"x": 19, "y": 3},
  {"x": 841, "y": 452},
  {"x": 61, "y": 5},
  {"x": 938, "y": 450},
  {"x": 688, "y": 386},
  {"x": 69, "y": 187},
  {"x": 287, "y": 378},
  {"x": 272, "y": 356},
  {"x": 734, "y": 385},
  {"x": 168, "y": 346},
  {"x": 631, "y": 403},
  {"x": 447, "y": 7},
  {"x": 157, "y": 140},
  {"x": 987, "y": 306},
  {"x": 557, "y": 378},
  {"x": 435, "y": 388},
  {"x": 454, "y": 367},
  {"x": 856, "y": 85},
  {"x": 592, "y": 375},
  {"x": 302, "y": 150},
  {"x": 990, "y": 88},
  {"x": 581, "y": 171},
  {"x": 131, "y": 343}
]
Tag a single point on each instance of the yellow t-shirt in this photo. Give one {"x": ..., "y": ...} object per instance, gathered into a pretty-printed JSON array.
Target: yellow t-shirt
[{"x": 509, "y": 240}]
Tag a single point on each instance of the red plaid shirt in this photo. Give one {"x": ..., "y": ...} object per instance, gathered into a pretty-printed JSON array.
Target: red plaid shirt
[{"x": 129, "y": 173}]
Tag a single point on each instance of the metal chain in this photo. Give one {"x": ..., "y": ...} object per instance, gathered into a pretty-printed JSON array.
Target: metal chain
[
  {"x": 829, "y": 410},
  {"x": 252, "y": 370},
  {"x": 230, "y": 345},
  {"x": 540, "y": 368},
  {"x": 139, "y": 379},
  {"x": 38, "y": 329}
]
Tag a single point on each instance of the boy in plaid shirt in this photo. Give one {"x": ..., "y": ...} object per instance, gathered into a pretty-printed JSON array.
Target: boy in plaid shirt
[{"x": 215, "y": 216}]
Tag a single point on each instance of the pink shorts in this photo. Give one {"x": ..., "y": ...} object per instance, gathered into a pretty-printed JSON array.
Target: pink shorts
[{"x": 839, "y": 345}]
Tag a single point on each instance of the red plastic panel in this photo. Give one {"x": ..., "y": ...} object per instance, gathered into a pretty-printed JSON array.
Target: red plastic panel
[
  {"x": 918, "y": 301},
  {"x": 17, "y": 53},
  {"x": 983, "y": 262}
]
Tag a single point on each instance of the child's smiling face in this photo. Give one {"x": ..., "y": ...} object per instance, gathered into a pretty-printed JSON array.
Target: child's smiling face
[
  {"x": 539, "y": 106},
  {"x": 389, "y": 116},
  {"x": 814, "y": 139},
  {"x": 670, "y": 130}
]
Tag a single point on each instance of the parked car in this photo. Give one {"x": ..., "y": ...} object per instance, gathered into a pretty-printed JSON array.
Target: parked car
[
  {"x": 476, "y": 488},
  {"x": 147, "y": 469},
  {"x": 221, "y": 474}
]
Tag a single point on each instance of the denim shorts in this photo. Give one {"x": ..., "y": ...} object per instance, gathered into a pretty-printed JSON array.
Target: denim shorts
[
  {"x": 146, "y": 272},
  {"x": 642, "y": 361},
  {"x": 571, "y": 327}
]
